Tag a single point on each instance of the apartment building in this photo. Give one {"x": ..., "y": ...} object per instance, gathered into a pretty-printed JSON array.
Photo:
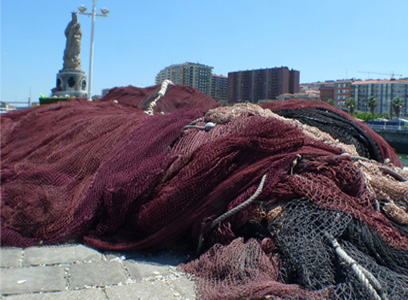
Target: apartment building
[
  {"x": 342, "y": 92},
  {"x": 261, "y": 84},
  {"x": 384, "y": 91},
  {"x": 191, "y": 74},
  {"x": 326, "y": 91},
  {"x": 219, "y": 87}
]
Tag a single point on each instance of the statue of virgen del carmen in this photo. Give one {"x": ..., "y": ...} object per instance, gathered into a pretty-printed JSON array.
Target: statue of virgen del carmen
[{"x": 71, "y": 80}]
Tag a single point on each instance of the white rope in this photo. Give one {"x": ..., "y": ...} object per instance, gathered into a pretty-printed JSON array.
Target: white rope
[
  {"x": 231, "y": 212},
  {"x": 356, "y": 157},
  {"x": 161, "y": 94},
  {"x": 242, "y": 205},
  {"x": 370, "y": 283},
  {"x": 207, "y": 127},
  {"x": 294, "y": 163}
]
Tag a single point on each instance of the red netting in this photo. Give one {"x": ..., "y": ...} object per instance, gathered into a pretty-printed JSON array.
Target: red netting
[
  {"x": 113, "y": 177},
  {"x": 255, "y": 276},
  {"x": 49, "y": 157},
  {"x": 176, "y": 97}
]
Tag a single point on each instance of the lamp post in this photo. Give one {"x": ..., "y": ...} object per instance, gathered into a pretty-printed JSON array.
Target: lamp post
[{"x": 104, "y": 12}]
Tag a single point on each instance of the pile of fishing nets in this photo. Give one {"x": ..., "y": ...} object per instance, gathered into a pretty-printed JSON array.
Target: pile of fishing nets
[
  {"x": 176, "y": 97},
  {"x": 293, "y": 200}
]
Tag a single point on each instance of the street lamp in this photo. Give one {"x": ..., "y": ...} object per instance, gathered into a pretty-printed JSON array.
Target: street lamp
[{"x": 82, "y": 11}]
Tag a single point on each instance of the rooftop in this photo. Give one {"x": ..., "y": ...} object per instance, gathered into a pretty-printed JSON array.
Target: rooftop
[{"x": 380, "y": 81}]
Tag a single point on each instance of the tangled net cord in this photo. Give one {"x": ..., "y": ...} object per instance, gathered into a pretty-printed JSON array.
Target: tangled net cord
[
  {"x": 369, "y": 282},
  {"x": 389, "y": 190},
  {"x": 367, "y": 279},
  {"x": 389, "y": 170},
  {"x": 371, "y": 285}
]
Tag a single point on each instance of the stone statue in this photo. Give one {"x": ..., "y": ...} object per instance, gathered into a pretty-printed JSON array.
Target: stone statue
[
  {"x": 73, "y": 48},
  {"x": 71, "y": 80}
]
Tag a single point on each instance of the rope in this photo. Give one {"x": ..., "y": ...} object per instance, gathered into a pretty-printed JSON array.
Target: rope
[
  {"x": 207, "y": 127},
  {"x": 242, "y": 205},
  {"x": 369, "y": 282},
  {"x": 192, "y": 123},
  {"x": 294, "y": 163},
  {"x": 161, "y": 94},
  {"x": 393, "y": 173},
  {"x": 376, "y": 204},
  {"x": 356, "y": 157},
  {"x": 384, "y": 168}
]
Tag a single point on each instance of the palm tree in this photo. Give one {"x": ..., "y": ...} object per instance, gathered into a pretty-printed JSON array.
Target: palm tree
[
  {"x": 397, "y": 105},
  {"x": 372, "y": 103},
  {"x": 350, "y": 104}
]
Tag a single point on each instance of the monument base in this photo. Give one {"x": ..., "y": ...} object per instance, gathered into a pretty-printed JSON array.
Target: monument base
[{"x": 71, "y": 83}]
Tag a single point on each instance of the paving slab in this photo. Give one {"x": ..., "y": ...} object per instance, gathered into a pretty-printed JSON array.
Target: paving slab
[
  {"x": 77, "y": 272},
  {"x": 32, "y": 279},
  {"x": 185, "y": 287},
  {"x": 49, "y": 255},
  {"x": 10, "y": 257},
  {"x": 139, "y": 270},
  {"x": 98, "y": 273},
  {"x": 148, "y": 290},
  {"x": 86, "y": 294}
]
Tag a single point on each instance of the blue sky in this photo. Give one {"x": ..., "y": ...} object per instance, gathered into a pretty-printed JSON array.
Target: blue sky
[{"x": 324, "y": 40}]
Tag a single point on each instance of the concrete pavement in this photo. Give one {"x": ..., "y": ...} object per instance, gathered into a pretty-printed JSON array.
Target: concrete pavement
[{"x": 74, "y": 271}]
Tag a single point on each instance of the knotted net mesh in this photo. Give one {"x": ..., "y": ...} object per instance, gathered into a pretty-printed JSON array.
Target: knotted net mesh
[{"x": 111, "y": 176}]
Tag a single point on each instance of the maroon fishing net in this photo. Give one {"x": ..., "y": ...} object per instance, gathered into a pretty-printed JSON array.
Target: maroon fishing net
[
  {"x": 176, "y": 97},
  {"x": 277, "y": 205}
]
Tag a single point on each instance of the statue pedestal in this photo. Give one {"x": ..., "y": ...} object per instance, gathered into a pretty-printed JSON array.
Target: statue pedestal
[{"x": 71, "y": 82}]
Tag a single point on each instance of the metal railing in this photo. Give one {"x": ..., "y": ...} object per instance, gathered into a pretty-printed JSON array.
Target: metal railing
[{"x": 385, "y": 127}]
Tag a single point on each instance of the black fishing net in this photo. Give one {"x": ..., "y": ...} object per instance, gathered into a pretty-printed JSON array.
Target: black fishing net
[
  {"x": 338, "y": 127},
  {"x": 303, "y": 233}
]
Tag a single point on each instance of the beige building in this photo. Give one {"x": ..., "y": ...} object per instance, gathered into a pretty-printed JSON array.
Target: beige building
[
  {"x": 191, "y": 74},
  {"x": 384, "y": 91}
]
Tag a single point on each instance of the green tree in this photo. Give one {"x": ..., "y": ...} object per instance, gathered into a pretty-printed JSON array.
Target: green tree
[
  {"x": 330, "y": 101},
  {"x": 397, "y": 104},
  {"x": 366, "y": 116},
  {"x": 371, "y": 104},
  {"x": 350, "y": 104}
]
